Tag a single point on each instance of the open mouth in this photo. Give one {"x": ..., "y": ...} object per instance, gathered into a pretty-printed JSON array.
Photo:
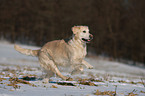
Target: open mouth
[{"x": 86, "y": 40}]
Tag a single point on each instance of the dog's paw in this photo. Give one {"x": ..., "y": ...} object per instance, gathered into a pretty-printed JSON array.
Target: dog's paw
[
  {"x": 90, "y": 67},
  {"x": 45, "y": 80},
  {"x": 65, "y": 78},
  {"x": 69, "y": 79}
]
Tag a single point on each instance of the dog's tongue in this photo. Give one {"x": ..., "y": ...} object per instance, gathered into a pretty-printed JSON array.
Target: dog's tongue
[{"x": 89, "y": 40}]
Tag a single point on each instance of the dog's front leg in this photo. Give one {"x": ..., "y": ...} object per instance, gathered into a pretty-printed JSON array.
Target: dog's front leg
[
  {"x": 76, "y": 65},
  {"x": 77, "y": 69},
  {"x": 87, "y": 64}
]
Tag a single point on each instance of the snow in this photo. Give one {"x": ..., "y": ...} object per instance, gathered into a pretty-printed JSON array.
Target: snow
[{"x": 14, "y": 64}]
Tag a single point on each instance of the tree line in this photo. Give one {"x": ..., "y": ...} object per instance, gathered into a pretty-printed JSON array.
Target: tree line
[{"x": 118, "y": 26}]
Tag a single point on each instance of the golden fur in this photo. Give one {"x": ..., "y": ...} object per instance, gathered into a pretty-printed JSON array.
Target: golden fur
[{"x": 69, "y": 52}]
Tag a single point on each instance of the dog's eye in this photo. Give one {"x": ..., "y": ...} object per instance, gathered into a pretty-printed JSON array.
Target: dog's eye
[{"x": 84, "y": 31}]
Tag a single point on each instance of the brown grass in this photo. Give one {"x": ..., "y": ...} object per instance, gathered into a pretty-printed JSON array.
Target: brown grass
[
  {"x": 53, "y": 86},
  {"x": 15, "y": 81},
  {"x": 110, "y": 93},
  {"x": 1, "y": 79},
  {"x": 86, "y": 82}
]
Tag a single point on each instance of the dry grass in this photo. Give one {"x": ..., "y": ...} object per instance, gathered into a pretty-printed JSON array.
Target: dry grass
[
  {"x": 53, "y": 86},
  {"x": 9, "y": 70},
  {"x": 131, "y": 82},
  {"x": 110, "y": 93},
  {"x": 15, "y": 81},
  {"x": 142, "y": 91},
  {"x": 132, "y": 94},
  {"x": 86, "y": 82},
  {"x": 1, "y": 79}
]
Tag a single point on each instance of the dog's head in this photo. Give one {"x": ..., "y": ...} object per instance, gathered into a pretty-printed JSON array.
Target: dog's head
[{"x": 82, "y": 33}]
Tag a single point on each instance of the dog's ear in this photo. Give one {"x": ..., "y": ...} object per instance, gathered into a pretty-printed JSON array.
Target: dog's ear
[{"x": 75, "y": 29}]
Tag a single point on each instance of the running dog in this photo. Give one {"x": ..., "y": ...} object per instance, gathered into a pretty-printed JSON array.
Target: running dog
[{"x": 66, "y": 52}]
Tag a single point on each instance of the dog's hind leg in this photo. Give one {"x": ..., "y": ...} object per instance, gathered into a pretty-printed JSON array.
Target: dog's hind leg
[
  {"x": 48, "y": 64},
  {"x": 56, "y": 71},
  {"x": 46, "y": 69}
]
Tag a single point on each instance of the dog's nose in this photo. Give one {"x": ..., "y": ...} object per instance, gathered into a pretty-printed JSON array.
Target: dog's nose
[{"x": 91, "y": 36}]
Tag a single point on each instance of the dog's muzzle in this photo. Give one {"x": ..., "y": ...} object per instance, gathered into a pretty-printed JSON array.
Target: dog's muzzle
[{"x": 88, "y": 40}]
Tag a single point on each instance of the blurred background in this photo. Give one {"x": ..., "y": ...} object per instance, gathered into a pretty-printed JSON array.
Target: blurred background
[{"x": 118, "y": 26}]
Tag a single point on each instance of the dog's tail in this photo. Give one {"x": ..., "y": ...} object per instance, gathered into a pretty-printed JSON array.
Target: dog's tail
[{"x": 26, "y": 51}]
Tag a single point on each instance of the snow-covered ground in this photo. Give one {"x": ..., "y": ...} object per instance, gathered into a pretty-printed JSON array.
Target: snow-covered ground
[{"x": 106, "y": 76}]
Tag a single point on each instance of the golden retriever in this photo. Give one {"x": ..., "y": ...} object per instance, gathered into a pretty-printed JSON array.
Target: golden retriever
[{"x": 67, "y": 52}]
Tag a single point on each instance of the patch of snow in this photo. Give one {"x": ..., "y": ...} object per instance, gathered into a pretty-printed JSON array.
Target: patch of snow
[{"x": 110, "y": 72}]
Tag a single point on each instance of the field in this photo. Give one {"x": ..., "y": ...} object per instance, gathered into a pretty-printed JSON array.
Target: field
[{"x": 22, "y": 75}]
